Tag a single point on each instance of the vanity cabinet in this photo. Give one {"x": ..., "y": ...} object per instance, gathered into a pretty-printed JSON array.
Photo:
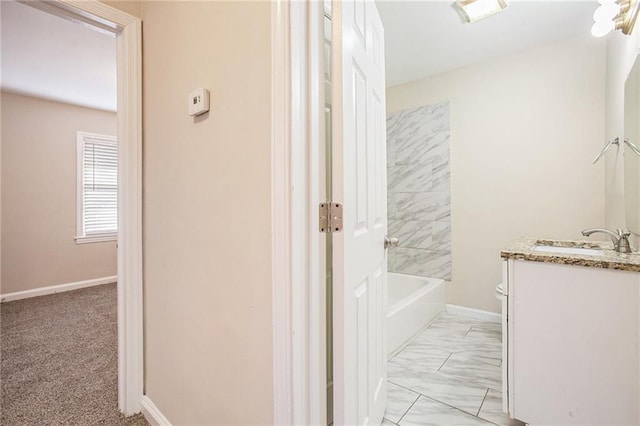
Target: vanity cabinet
[{"x": 570, "y": 342}]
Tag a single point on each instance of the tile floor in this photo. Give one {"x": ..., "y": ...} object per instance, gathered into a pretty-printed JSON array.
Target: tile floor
[{"x": 449, "y": 375}]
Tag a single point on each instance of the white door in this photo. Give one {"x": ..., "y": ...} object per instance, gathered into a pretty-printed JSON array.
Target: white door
[{"x": 359, "y": 171}]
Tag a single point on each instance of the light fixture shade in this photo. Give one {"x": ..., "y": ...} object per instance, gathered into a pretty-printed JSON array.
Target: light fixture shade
[
  {"x": 602, "y": 28},
  {"x": 606, "y": 12},
  {"x": 474, "y": 10}
]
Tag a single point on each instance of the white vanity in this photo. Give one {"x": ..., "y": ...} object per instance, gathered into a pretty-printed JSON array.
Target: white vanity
[{"x": 571, "y": 326}]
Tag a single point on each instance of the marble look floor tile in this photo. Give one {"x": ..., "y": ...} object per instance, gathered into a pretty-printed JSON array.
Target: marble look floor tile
[
  {"x": 422, "y": 357},
  {"x": 399, "y": 400},
  {"x": 427, "y": 412},
  {"x": 473, "y": 370},
  {"x": 387, "y": 422},
  {"x": 492, "y": 410},
  {"x": 492, "y": 357},
  {"x": 482, "y": 335},
  {"x": 442, "y": 387}
]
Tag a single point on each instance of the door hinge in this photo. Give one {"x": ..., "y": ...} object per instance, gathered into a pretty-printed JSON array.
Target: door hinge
[{"x": 330, "y": 217}]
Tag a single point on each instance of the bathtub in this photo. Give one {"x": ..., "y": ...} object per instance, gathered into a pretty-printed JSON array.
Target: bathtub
[{"x": 412, "y": 302}]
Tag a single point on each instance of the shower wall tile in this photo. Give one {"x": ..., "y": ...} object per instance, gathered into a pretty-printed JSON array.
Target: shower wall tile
[
  {"x": 426, "y": 206},
  {"x": 426, "y": 263},
  {"x": 420, "y": 234},
  {"x": 410, "y": 178},
  {"x": 412, "y": 233},
  {"x": 419, "y": 190},
  {"x": 423, "y": 149},
  {"x": 441, "y": 178}
]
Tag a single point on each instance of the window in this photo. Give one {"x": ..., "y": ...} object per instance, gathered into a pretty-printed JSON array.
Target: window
[{"x": 97, "y": 188}]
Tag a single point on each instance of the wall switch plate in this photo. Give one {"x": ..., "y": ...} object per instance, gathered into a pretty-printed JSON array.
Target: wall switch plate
[{"x": 198, "y": 102}]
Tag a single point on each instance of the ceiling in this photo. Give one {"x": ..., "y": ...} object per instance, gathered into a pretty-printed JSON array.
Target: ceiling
[
  {"x": 49, "y": 57},
  {"x": 423, "y": 38}
]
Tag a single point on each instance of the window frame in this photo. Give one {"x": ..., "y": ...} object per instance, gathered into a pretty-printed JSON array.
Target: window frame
[{"x": 80, "y": 237}]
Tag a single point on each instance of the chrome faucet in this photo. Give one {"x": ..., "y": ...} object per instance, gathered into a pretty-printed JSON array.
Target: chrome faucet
[{"x": 620, "y": 239}]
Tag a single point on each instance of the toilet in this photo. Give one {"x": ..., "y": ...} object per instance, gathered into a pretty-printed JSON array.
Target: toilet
[
  {"x": 500, "y": 297},
  {"x": 499, "y": 292}
]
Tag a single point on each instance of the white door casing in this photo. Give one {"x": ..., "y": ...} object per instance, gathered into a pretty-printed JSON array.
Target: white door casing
[
  {"x": 359, "y": 165},
  {"x": 127, "y": 31}
]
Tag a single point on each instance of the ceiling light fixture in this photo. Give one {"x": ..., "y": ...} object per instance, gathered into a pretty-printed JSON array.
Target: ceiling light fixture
[
  {"x": 473, "y": 10},
  {"x": 615, "y": 15}
]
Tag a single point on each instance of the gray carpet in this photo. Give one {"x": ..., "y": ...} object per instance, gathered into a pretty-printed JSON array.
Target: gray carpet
[{"x": 59, "y": 360}]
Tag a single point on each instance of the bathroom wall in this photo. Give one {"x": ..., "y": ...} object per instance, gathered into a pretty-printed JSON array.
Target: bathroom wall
[
  {"x": 39, "y": 188},
  {"x": 419, "y": 195},
  {"x": 524, "y": 131}
]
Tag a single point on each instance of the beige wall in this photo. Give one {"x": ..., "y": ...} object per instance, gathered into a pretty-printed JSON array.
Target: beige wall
[
  {"x": 524, "y": 131},
  {"x": 39, "y": 194},
  {"x": 207, "y": 224}
]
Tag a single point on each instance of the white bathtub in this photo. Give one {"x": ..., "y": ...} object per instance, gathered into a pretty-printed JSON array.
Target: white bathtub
[{"x": 412, "y": 303}]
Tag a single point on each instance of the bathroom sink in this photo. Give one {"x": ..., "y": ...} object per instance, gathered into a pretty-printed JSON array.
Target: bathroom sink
[{"x": 585, "y": 251}]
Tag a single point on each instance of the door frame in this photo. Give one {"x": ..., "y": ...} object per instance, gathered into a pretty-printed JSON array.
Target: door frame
[
  {"x": 298, "y": 273},
  {"x": 127, "y": 31}
]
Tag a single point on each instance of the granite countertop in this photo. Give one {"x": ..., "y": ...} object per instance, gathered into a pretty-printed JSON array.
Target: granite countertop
[{"x": 522, "y": 250}]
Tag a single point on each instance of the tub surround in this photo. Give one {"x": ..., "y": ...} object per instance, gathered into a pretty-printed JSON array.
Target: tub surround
[
  {"x": 419, "y": 190},
  {"x": 522, "y": 249}
]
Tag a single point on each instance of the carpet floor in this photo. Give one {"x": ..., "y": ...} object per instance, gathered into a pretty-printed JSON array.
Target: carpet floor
[{"x": 59, "y": 360}]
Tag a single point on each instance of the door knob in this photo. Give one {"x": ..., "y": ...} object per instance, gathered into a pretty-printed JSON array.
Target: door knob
[{"x": 390, "y": 242}]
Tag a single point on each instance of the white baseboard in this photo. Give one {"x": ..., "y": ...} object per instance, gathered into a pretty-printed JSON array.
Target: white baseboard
[
  {"x": 474, "y": 313},
  {"x": 8, "y": 297},
  {"x": 152, "y": 414}
]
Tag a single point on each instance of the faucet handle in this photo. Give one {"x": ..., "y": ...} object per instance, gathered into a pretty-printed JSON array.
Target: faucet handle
[
  {"x": 623, "y": 245},
  {"x": 622, "y": 233}
]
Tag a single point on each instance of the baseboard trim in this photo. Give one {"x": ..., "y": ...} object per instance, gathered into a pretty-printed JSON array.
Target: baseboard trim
[
  {"x": 153, "y": 415},
  {"x": 42, "y": 291},
  {"x": 474, "y": 313}
]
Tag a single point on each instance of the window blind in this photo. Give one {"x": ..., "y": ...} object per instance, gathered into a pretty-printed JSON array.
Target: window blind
[{"x": 99, "y": 186}]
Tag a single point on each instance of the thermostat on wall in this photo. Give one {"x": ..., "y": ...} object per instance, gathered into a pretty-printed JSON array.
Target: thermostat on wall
[{"x": 198, "y": 101}]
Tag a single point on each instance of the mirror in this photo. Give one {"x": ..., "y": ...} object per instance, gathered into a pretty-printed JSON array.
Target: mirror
[{"x": 631, "y": 160}]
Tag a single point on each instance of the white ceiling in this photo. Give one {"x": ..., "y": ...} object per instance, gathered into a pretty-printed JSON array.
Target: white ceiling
[
  {"x": 423, "y": 38},
  {"x": 47, "y": 56},
  {"x": 50, "y": 57}
]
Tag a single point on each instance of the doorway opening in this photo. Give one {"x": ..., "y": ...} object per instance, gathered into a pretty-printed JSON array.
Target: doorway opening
[{"x": 125, "y": 31}]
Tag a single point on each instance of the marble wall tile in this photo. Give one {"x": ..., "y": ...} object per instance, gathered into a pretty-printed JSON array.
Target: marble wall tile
[
  {"x": 427, "y": 149},
  {"x": 419, "y": 190},
  {"x": 422, "y": 206},
  {"x": 409, "y": 178},
  {"x": 440, "y": 177},
  {"x": 412, "y": 233},
  {"x": 425, "y": 263}
]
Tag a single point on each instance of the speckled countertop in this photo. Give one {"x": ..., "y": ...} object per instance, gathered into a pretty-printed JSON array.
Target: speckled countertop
[{"x": 522, "y": 249}]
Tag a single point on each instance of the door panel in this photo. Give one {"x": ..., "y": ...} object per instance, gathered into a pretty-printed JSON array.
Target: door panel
[{"x": 359, "y": 182}]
